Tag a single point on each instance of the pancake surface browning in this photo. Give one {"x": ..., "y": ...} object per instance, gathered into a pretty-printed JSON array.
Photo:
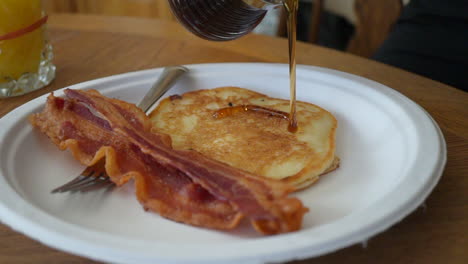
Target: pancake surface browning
[{"x": 251, "y": 141}]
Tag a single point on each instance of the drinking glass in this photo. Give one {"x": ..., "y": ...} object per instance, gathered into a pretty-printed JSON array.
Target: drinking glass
[{"x": 25, "y": 54}]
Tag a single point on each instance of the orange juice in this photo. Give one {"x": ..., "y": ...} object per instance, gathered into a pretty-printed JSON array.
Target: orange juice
[{"x": 22, "y": 47}]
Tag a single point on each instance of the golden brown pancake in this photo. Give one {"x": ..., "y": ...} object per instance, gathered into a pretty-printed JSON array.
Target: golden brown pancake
[{"x": 252, "y": 141}]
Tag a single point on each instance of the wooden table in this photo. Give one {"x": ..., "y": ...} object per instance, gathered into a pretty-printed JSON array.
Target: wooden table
[{"x": 89, "y": 47}]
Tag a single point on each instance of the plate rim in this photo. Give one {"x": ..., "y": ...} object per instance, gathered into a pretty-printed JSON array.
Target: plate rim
[{"x": 299, "y": 252}]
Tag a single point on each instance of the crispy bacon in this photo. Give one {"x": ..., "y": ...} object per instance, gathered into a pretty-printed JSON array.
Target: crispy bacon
[{"x": 181, "y": 185}]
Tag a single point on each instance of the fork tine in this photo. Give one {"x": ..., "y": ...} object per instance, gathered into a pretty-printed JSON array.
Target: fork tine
[
  {"x": 97, "y": 185},
  {"x": 78, "y": 179},
  {"x": 85, "y": 176},
  {"x": 88, "y": 181},
  {"x": 93, "y": 182}
]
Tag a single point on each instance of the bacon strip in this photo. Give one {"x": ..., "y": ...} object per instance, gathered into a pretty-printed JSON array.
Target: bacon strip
[{"x": 181, "y": 185}]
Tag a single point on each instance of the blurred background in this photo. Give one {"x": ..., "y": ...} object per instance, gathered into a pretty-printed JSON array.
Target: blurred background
[{"x": 331, "y": 23}]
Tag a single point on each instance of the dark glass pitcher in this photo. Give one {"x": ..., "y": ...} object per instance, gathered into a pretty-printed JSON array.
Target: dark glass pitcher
[{"x": 221, "y": 20}]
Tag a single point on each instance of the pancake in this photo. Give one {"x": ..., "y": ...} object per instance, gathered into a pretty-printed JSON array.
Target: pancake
[{"x": 251, "y": 141}]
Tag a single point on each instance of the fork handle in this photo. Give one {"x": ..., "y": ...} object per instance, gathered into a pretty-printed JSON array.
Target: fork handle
[{"x": 166, "y": 80}]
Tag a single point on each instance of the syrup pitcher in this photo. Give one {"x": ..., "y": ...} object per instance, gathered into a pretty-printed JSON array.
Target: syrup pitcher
[{"x": 222, "y": 20}]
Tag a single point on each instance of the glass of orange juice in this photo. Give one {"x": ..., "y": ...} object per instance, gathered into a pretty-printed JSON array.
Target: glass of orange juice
[{"x": 25, "y": 55}]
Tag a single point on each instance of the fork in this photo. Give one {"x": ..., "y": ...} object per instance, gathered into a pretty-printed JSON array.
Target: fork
[{"x": 95, "y": 177}]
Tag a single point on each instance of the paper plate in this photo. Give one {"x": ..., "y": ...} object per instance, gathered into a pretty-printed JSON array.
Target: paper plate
[{"x": 392, "y": 155}]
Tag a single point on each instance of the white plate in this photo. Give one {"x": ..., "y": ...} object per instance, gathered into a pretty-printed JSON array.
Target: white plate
[{"x": 392, "y": 155}]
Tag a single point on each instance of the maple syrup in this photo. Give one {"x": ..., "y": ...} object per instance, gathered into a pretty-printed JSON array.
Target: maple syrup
[
  {"x": 292, "y": 7},
  {"x": 229, "y": 111}
]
